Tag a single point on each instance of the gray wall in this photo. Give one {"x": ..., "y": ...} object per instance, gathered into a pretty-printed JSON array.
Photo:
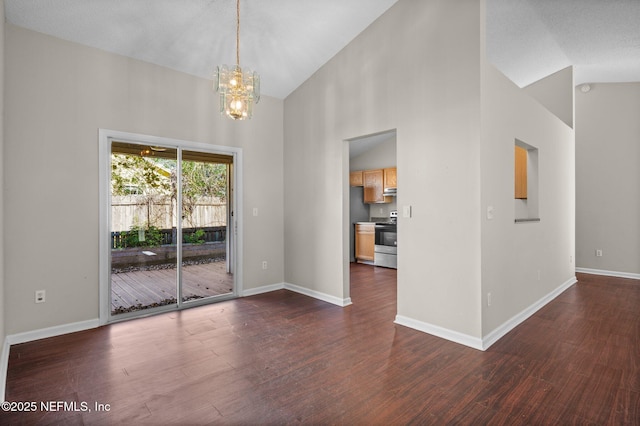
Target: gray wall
[
  {"x": 58, "y": 94},
  {"x": 2, "y": 307},
  {"x": 608, "y": 178},
  {"x": 456, "y": 119},
  {"x": 555, "y": 93},
  {"x": 429, "y": 90},
  {"x": 522, "y": 263},
  {"x": 358, "y": 212}
]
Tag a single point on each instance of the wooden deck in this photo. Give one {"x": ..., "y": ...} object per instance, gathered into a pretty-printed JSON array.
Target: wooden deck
[{"x": 156, "y": 287}]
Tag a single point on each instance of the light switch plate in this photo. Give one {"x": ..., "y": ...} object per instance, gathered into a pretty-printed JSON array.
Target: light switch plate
[
  {"x": 490, "y": 212},
  {"x": 406, "y": 211}
]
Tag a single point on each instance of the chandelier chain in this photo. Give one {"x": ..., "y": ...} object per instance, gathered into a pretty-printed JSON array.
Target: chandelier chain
[{"x": 238, "y": 32}]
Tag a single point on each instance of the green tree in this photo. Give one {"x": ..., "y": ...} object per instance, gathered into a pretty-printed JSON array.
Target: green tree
[
  {"x": 200, "y": 179},
  {"x": 204, "y": 180},
  {"x": 132, "y": 174}
]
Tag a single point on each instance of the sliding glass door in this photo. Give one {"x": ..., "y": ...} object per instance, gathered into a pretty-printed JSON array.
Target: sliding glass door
[
  {"x": 205, "y": 264},
  {"x": 169, "y": 216}
]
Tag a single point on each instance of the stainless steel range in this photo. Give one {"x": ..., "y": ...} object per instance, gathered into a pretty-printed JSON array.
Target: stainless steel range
[{"x": 386, "y": 244}]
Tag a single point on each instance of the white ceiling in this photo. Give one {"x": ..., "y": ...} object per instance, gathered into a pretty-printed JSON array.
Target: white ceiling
[
  {"x": 530, "y": 39},
  {"x": 286, "y": 41},
  {"x": 359, "y": 146}
]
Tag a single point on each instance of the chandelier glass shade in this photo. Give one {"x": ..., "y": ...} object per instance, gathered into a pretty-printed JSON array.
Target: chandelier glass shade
[{"x": 238, "y": 89}]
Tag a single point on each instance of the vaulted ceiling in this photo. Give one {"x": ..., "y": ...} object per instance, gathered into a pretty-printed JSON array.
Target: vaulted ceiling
[
  {"x": 286, "y": 41},
  {"x": 530, "y": 39}
]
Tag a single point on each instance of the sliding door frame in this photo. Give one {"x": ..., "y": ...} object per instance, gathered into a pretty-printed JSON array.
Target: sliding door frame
[{"x": 235, "y": 208}]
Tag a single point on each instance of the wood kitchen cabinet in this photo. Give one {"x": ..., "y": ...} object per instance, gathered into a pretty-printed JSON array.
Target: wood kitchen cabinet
[
  {"x": 390, "y": 179},
  {"x": 365, "y": 241},
  {"x": 374, "y": 187},
  {"x": 521, "y": 173},
  {"x": 356, "y": 178}
]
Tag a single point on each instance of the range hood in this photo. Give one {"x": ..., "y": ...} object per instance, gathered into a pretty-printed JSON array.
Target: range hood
[{"x": 390, "y": 192}]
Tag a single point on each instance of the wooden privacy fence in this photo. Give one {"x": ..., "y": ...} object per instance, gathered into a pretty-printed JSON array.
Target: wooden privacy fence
[
  {"x": 212, "y": 234},
  {"x": 160, "y": 211}
]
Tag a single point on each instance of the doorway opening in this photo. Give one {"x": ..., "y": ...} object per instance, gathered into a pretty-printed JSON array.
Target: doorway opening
[
  {"x": 372, "y": 199},
  {"x": 169, "y": 222}
]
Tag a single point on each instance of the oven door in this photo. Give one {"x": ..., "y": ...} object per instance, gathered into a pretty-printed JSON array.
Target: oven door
[
  {"x": 385, "y": 250},
  {"x": 386, "y": 235}
]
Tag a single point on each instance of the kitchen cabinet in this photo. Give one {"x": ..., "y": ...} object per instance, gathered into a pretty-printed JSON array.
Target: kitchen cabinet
[
  {"x": 521, "y": 173},
  {"x": 365, "y": 241},
  {"x": 390, "y": 179},
  {"x": 374, "y": 187},
  {"x": 356, "y": 178}
]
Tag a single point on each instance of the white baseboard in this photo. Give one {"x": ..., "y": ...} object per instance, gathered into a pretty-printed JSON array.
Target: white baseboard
[
  {"x": 453, "y": 336},
  {"x": 58, "y": 330},
  {"x": 292, "y": 287},
  {"x": 263, "y": 289},
  {"x": 516, "y": 320},
  {"x": 318, "y": 295},
  {"x": 488, "y": 340},
  {"x": 609, "y": 273},
  {"x": 4, "y": 364}
]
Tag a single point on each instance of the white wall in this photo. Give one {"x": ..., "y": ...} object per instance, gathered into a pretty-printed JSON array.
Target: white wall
[
  {"x": 555, "y": 93},
  {"x": 457, "y": 119},
  {"x": 416, "y": 69},
  {"x": 608, "y": 178},
  {"x": 524, "y": 262},
  {"x": 58, "y": 94},
  {"x": 2, "y": 272}
]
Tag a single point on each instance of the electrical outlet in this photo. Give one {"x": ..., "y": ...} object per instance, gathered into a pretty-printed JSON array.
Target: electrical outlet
[
  {"x": 264, "y": 264},
  {"x": 490, "y": 212},
  {"x": 255, "y": 211},
  {"x": 41, "y": 296},
  {"x": 598, "y": 253}
]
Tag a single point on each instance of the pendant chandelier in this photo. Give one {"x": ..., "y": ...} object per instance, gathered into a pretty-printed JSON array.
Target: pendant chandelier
[{"x": 238, "y": 89}]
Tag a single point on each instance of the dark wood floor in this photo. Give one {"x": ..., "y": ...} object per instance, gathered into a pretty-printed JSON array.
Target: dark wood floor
[{"x": 286, "y": 358}]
